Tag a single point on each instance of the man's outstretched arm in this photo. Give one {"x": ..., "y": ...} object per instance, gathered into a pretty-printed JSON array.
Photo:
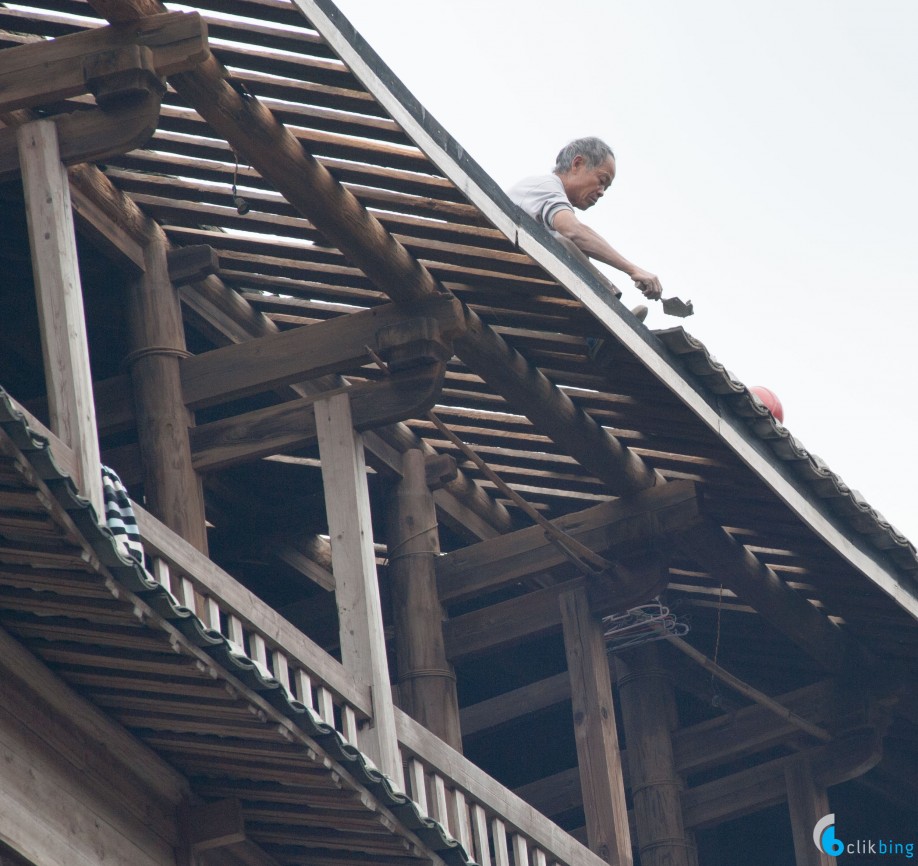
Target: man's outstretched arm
[{"x": 596, "y": 246}]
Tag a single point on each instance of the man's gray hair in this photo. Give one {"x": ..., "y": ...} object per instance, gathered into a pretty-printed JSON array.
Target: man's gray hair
[{"x": 594, "y": 150}]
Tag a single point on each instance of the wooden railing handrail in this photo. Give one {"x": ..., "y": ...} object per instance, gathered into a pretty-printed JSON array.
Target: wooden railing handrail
[
  {"x": 234, "y": 598},
  {"x": 415, "y": 739}
]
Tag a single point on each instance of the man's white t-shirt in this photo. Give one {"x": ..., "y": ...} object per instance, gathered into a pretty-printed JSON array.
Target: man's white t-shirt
[{"x": 541, "y": 196}]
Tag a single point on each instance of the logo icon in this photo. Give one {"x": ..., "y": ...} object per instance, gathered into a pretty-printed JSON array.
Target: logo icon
[{"x": 824, "y": 836}]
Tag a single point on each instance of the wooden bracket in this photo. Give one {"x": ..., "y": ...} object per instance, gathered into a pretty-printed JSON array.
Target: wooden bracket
[
  {"x": 411, "y": 343},
  {"x": 191, "y": 264},
  {"x": 439, "y": 470},
  {"x": 121, "y": 75},
  {"x": 41, "y": 73}
]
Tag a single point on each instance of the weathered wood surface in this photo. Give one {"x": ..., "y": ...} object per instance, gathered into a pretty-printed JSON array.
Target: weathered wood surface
[
  {"x": 595, "y": 731},
  {"x": 304, "y": 353},
  {"x": 94, "y": 786},
  {"x": 511, "y": 705},
  {"x": 426, "y": 680},
  {"x": 65, "y": 347},
  {"x": 622, "y": 526},
  {"x": 292, "y": 424},
  {"x": 807, "y": 802},
  {"x": 643, "y": 688},
  {"x": 172, "y": 487},
  {"x": 347, "y": 504},
  {"x": 45, "y": 72},
  {"x": 480, "y": 787}
]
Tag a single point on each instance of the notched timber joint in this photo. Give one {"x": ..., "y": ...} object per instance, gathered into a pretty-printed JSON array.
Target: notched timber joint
[
  {"x": 121, "y": 75},
  {"x": 412, "y": 343}
]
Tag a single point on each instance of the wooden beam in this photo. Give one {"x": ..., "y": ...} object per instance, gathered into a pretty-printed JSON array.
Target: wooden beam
[
  {"x": 65, "y": 347},
  {"x": 215, "y": 833},
  {"x": 93, "y": 135},
  {"x": 511, "y": 705},
  {"x": 766, "y": 784},
  {"x": 622, "y": 526},
  {"x": 536, "y": 613},
  {"x": 595, "y": 732},
  {"x": 292, "y": 425},
  {"x": 191, "y": 264},
  {"x": 41, "y": 73},
  {"x": 643, "y": 688},
  {"x": 309, "y": 351},
  {"x": 363, "y": 644},
  {"x": 426, "y": 680}
]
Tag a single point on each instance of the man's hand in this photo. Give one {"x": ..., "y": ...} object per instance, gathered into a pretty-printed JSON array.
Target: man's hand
[{"x": 648, "y": 283}]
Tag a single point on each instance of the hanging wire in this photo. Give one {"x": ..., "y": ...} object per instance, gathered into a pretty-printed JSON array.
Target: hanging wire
[{"x": 641, "y": 624}]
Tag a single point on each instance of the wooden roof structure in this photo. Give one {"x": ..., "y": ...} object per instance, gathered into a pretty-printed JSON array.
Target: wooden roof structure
[{"x": 325, "y": 238}]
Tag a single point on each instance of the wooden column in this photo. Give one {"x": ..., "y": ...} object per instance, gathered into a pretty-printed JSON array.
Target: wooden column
[
  {"x": 363, "y": 644},
  {"x": 427, "y": 682},
  {"x": 60, "y": 302},
  {"x": 157, "y": 338},
  {"x": 807, "y": 801},
  {"x": 598, "y": 755},
  {"x": 656, "y": 789}
]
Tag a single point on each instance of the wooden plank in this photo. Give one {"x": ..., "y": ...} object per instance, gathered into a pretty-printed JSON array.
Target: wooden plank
[
  {"x": 621, "y": 525},
  {"x": 292, "y": 424},
  {"x": 302, "y": 353},
  {"x": 595, "y": 731},
  {"x": 347, "y": 504},
  {"x": 41, "y": 73},
  {"x": 65, "y": 347}
]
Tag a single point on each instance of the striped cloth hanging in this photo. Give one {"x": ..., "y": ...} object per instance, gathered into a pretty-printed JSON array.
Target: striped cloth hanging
[{"x": 119, "y": 515}]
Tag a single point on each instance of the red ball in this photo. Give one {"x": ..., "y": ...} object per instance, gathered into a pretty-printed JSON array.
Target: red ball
[{"x": 771, "y": 401}]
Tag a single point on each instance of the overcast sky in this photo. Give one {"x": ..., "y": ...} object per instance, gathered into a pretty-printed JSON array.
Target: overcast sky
[{"x": 767, "y": 170}]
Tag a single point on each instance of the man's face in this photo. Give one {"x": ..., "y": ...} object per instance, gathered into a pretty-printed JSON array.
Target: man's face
[{"x": 584, "y": 185}]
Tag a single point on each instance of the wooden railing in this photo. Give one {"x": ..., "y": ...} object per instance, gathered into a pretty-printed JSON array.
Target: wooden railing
[
  {"x": 255, "y": 629},
  {"x": 495, "y": 826}
]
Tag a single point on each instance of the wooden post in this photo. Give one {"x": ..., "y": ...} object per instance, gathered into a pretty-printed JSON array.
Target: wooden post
[
  {"x": 171, "y": 485},
  {"x": 656, "y": 788},
  {"x": 427, "y": 682},
  {"x": 808, "y": 802},
  {"x": 60, "y": 302},
  {"x": 347, "y": 504},
  {"x": 598, "y": 755}
]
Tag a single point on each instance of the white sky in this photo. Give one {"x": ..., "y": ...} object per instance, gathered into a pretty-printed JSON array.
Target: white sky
[{"x": 767, "y": 170}]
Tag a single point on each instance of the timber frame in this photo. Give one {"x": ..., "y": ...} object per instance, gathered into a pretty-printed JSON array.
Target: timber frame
[{"x": 244, "y": 268}]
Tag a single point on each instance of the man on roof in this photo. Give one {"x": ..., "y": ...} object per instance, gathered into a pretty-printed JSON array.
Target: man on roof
[{"x": 582, "y": 174}]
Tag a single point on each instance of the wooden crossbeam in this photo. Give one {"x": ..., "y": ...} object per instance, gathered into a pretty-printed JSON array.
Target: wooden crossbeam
[
  {"x": 306, "y": 352},
  {"x": 89, "y": 136},
  {"x": 292, "y": 424},
  {"x": 627, "y": 524},
  {"x": 40, "y": 73}
]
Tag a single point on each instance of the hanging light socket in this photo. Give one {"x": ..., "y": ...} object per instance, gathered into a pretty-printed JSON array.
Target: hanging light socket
[{"x": 242, "y": 206}]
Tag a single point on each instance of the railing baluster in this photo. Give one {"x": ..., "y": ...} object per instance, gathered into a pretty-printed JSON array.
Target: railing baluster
[
  {"x": 161, "y": 573},
  {"x": 349, "y": 724},
  {"x": 499, "y": 834},
  {"x": 459, "y": 818},
  {"x": 281, "y": 668},
  {"x": 482, "y": 852},
  {"x": 326, "y": 705},
  {"x": 258, "y": 650},
  {"x": 236, "y": 634},
  {"x": 520, "y": 850},
  {"x": 304, "y": 688},
  {"x": 441, "y": 813},
  {"x": 418, "y": 782},
  {"x": 211, "y": 613},
  {"x": 538, "y": 858}
]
